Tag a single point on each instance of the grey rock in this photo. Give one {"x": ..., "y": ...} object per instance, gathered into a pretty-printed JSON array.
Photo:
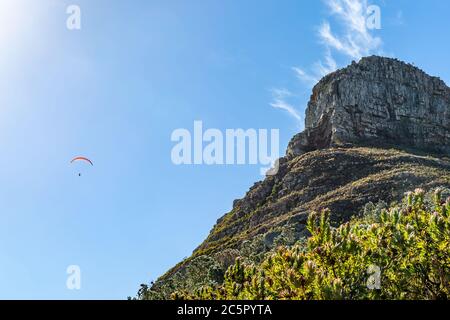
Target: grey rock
[{"x": 377, "y": 101}]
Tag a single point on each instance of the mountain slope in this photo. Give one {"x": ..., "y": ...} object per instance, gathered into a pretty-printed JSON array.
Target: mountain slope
[{"x": 374, "y": 130}]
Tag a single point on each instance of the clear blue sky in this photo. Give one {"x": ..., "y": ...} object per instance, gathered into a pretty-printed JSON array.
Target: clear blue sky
[{"x": 116, "y": 89}]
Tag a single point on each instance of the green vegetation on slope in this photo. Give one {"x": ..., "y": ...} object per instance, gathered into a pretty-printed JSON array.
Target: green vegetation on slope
[
  {"x": 275, "y": 210},
  {"x": 408, "y": 244},
  {"x": 341, "y": 179}
]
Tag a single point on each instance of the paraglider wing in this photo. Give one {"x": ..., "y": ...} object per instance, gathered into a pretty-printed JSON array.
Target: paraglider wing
[{"x": 81, "y": 159}]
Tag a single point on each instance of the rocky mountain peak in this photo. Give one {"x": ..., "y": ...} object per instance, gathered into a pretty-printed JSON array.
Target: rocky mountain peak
[
  {"x": 350, "y": 157},
  {"x": 377, "y": 101}
]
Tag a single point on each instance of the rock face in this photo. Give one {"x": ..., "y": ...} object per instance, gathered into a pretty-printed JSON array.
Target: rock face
[
  {"x": 340, "y": 161},
  {"x": 378, "y": 101}
]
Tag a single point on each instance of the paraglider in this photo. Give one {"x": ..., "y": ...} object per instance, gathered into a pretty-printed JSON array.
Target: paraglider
[{"x": 84, "y": 159}]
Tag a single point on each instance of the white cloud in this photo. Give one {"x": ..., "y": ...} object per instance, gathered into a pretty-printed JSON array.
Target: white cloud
[
  {"x": 319, "y": 70},
  {"x": 355, "y": 40},
  {"x": 279, "y": 102},
  {"x": 304, "y": 76},
  {"x": 330, "y": 64}
]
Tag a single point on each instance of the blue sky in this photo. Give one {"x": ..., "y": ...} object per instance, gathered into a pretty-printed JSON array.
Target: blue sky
[{"x": 115, "y": 90}]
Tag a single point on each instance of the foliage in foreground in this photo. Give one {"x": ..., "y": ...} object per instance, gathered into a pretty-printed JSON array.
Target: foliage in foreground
[{"x": 396, "y": 253}]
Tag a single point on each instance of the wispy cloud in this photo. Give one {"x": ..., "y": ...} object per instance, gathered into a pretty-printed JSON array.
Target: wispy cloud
[
  {"x": 280, "y": 97},
  {"x": 304, "y": 76},
  {"x": 319, "y": 69},
  {"x": 354, "y": 41}
]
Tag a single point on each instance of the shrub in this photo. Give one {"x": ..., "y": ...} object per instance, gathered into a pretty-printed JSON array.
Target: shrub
[{"x": 401, "y": 253}]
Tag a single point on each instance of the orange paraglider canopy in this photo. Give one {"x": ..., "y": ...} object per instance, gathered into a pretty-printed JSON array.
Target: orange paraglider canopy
[{"x": 81, "y": 159}]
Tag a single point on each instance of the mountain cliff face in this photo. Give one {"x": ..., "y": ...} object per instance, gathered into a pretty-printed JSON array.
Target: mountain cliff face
[
  {"x": 374, "y": 130},
  {"x": 377, "y": 101}
]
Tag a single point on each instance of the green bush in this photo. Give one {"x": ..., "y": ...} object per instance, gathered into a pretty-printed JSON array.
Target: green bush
[{"x": 396, "y": 253}]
